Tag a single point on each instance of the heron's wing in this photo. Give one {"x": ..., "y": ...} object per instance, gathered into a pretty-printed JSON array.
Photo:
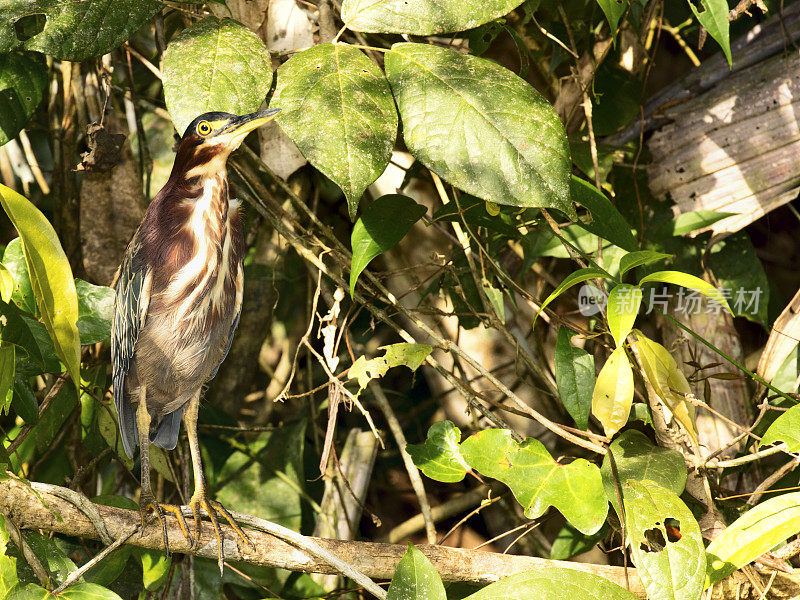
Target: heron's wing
[
  {"x": 130, "y": 306},
  {"x": 230, "y": 341}
]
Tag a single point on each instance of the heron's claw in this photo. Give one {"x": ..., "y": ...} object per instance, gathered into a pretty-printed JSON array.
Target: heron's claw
[
  {"x": 147, "y": 502},
  {"x": 199, "y": 502}
]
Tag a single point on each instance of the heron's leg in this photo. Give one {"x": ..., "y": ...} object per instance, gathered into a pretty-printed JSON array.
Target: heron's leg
[
  {"x": 200, "y": 499},
  {"x": 146, "y": 499}
]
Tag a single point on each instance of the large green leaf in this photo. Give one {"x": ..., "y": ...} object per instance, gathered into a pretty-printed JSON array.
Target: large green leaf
[
  {"x": 384, "y": 223},
  {"x": 422, "y": 17},
  {"x": 95, "y": 311},
  {"x": 23, "y": 79},
  {"x": 637, "y": 458},
  {"x": 77, "y": 29},
  {"x": 553, "y": 583},
  {"x": 537, "y": 481},
  {"x": 79, "y": 591},
  {"x": 613, "y": 392},
  {"x": 607, "y": 221},
  {"x": 415, "y": 579},
  {"x": 665, "y": 542},
  {"x": 757, "y": 531},
  {"x": 439, "y": 457},
  {"x": 337, "y": 107},
  {"x": 480, "y": 127},
  {"x": 715, "y": 20},
  {"x": 574, "y": 369},
  {"x": 214, "y": 65},
  {"x": 51, "y": 277},
  {"x": 8, "y": 564}
]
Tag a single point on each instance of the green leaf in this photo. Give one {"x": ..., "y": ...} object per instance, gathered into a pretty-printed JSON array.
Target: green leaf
[
  {"x": 8, "y": 564},
  {"x": 785, "y": 378},
  {"x": 23, "y": 79},
  {"x": 670, "y": 568},
  {"x": 95, "y": 311},
  {"x": 738, "y": 269},
  {"x": 24, "y": 402},
  {"x": 495, "y": 297},
  {"x": 52, "y": 555},
  {"x": 640, "y": 258},
  {"x": 77, "y": 29},
  {"x": 613, "y": 9},
  {"x": 422, "y": 17},
  {"x": 265, "y": 477},
  {"x": 608, "y": 222},
  {"x": 688, "y": 281},
  {"x": 613, "y": 393},
  {"x": 155, "y": 567},
  {"x": 714, "y": 19},
  {"x": 786, "y": 428},
  {"x": 536, "y": 480},
  {"x": 415, "y": 579},
  {"x": 480, "y": 127},
  {"x": 621, "y": 310},
  {"x": 574, "y": 369},
  {"x": 199, "y": 68},
  {"x": 698, "y": 219},
  {"x": 6, "y": 284},
  {"x": 409, "y": 355},
  {"x": 381, "y": 227},
  {"x": 570, "y": 542},
  {"x": 79, "y": 591},
  {"x": 757, "y": 531},
  {"x": 638, "y": 459},
  {"x": 573, "y": 278},
  {"x": 553, "y": 583},
  {"x": 337, "y": 107},
  {"x": 14, "y": 259},
  {"x": 439, "y": 457},
  {"x": 107, "y": 422},
  {"x": 7, "y": 366},
  {"x": 51, "y": 277}
]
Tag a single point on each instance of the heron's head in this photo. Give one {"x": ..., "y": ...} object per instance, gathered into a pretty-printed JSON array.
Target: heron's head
[{"x": 212, "y": 136}]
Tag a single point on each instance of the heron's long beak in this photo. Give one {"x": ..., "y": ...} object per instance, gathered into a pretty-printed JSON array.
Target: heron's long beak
[{"x": 243, "y": 125}]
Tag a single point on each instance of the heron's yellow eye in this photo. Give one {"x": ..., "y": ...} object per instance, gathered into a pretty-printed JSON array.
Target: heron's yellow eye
[{"x": 204, "y": 128}]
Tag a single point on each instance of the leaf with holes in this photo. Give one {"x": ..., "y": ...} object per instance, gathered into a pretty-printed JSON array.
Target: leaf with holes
[
  {"x": 75, "y": 30},
  {"x": 415, "y": 579},
  {"x": 536, "y": 480},
  {"x": 613, "y": 392},
  {"x": 613, "y": 9},
  {"x": 337, "y": 107},
  {"x": 51, "y": 277},
  {"x": 665, "y": 542},
  {"x": 381, "y": 227},
  {"x": 422, "y": 17},
  {"x": 637, "y": 458},
  {"x": 574, "y": 370},
  {"x": 214, "y": 65},
  {"x": 757, "y": 531},
  {"x": 786, "y": 428},
  {"x": 23, "y": 79},
  {"x": 480, "y": 127},
  {"x": 439, "y": 457}
]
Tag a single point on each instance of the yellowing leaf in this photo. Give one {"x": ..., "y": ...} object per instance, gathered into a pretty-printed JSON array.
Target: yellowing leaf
[
  {"x": 6, "y": 284},
  {"x": 668, "y": 382},
  {"x": 51, "y": 277},
  {"x": 613, "y": 392},
  {"x": 621, "y": 310},
  {"x": 410, "y": 355}
]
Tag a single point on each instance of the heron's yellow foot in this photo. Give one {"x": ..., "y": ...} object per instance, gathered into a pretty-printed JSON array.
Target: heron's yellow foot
[
  {"x": 199, "y": 502},
  {"x": 147, "y": 502}
]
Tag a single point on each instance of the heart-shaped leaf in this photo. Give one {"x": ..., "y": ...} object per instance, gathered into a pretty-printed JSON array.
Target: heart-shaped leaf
[
  {"x": 23, "y": 79},
  {"x": 422, "y": 17},
  {"x": 480, "y": 127},
  {"x": 214, "y": 65},
  {"x": 337, "y": 107},
  {"x": 439, "y": 457}
]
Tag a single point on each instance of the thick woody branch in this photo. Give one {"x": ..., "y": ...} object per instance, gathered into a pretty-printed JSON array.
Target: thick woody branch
[{"x": 49, "y": 512}]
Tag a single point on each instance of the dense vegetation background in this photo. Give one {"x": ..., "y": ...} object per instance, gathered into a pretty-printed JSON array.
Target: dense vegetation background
[{"x": 520, "y": 277}]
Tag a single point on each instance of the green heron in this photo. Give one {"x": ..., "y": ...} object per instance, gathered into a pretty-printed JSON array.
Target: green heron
[{"x": 179, "y": 295}]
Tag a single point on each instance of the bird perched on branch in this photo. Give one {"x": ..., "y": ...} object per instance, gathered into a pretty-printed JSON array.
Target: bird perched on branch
[{"x": 179, "y": 295}]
